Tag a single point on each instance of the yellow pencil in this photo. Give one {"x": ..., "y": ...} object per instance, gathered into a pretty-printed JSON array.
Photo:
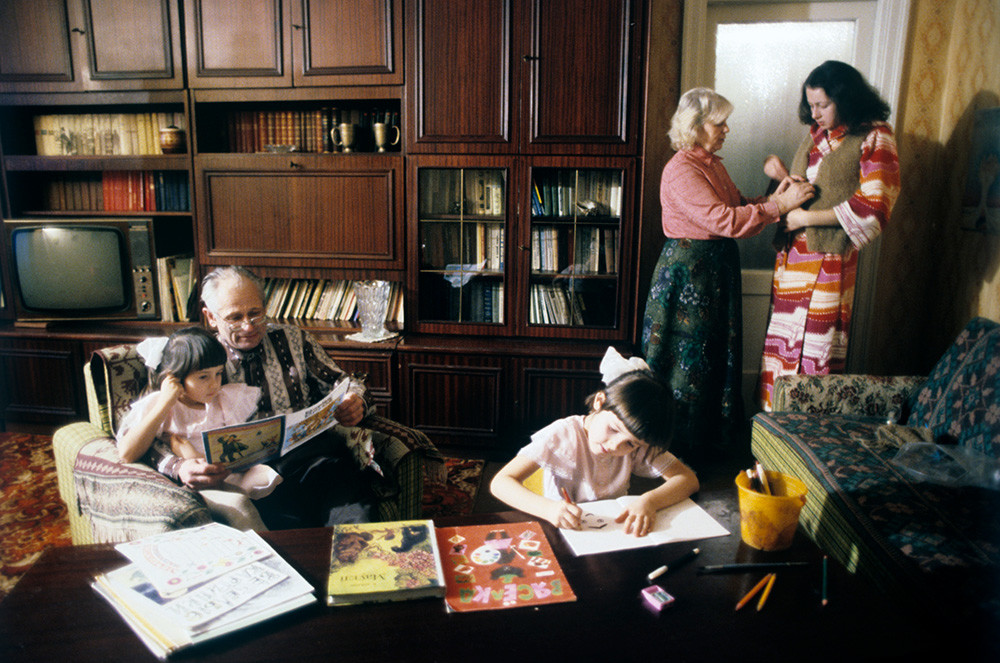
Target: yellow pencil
[
  {"x": 753, "y": 592},
  {"x": 767, "y": 592}
]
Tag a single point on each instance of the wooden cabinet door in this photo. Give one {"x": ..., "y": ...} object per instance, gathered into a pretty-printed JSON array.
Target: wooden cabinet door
[
  {"x": 460, "y": 96},
  {"x": 301, "y": 211},
  {"x": 347, "y": 42},
  {"x": 41, "y": 381},
  {"x": 580, "y": 73},
  {"x": 237, "y": 44},
  {"x": 69, "y": 46}
]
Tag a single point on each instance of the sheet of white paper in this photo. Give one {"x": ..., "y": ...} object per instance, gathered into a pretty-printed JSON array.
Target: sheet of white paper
[{"x": 684, "y": 521}]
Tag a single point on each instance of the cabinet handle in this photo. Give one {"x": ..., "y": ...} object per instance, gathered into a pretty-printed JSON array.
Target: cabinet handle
[
  {"x": 529, "y": 58},
  {"x": 293, "y": 164},
  {"x": 297, "y": 27},
  {"x": 523, "y": 248},
  {"x": 78, "y": 31}
]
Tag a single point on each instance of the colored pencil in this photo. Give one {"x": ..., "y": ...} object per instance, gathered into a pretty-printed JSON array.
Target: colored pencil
[
  {"x": 825, "y": 564},
  {"x": 753, "y": 592},
  {"x": 767, "y": 592}
]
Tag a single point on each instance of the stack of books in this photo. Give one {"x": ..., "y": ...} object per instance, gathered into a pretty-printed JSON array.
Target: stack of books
[{"x": 192, "y": 585}]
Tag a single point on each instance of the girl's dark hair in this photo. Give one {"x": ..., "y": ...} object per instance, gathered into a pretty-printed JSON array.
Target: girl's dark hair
[
  {"x": 858, "y": 103},
  {"x": 188, "y": 350},
  {"x": 644, "y": 403}
]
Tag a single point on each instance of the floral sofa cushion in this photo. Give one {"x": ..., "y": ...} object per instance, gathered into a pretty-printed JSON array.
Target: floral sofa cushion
[{"x": 960, "y": 401}]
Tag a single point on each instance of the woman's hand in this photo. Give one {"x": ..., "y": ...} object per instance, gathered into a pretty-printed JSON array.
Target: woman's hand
[
  {"x": 792, "y": 193},
  {"x": 198, "y": 473},
  {"x": 564, "y": 514},
  {"x": 775, "y": 168},
  {"x": 638, "y": 517}
]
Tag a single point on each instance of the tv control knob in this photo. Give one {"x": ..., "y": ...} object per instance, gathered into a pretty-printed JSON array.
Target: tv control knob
[{"x": 144, "y": 306}]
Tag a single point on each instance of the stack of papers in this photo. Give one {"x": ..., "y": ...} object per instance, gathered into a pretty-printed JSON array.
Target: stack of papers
[{"x": 188, "y": 586}]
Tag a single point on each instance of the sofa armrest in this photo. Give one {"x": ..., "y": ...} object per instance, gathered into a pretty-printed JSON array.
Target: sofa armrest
[
  {"x": 407, "y": 458},
  {"x": 854, "y": 394}
]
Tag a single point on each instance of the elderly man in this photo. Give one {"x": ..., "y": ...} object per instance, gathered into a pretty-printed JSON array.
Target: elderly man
[{"x": 322, "y": 483}]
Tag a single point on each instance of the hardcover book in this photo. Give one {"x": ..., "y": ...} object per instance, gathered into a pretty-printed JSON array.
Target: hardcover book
[{"x": 390, "y": 561}]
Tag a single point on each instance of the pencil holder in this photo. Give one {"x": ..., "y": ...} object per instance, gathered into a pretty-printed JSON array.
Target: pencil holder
[{"x": 768, "y": 522}]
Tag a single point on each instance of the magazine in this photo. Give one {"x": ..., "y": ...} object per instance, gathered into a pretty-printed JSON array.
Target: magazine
[{"x": 241, "y": 445}]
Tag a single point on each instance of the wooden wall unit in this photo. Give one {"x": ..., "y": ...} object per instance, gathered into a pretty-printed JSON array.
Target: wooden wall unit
[
  {"x": 87, "y": 45},
  {"x": 525, "y": 96}
]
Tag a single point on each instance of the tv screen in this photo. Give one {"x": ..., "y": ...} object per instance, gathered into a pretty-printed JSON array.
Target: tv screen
[{"x": 70, "y": 268}]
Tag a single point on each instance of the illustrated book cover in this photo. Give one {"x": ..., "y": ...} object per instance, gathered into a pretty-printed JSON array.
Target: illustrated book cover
[
  {"x": 598, "y": 533},
  {"x": 188, "y": 586},
  {"x": 390, "y": 561},
  {"x": 491, "y": 567},
  {"x": 241, "y": 445}
]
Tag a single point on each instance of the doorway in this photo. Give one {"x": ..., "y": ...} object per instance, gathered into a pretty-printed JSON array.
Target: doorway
[{"x": 757, "y": 54}]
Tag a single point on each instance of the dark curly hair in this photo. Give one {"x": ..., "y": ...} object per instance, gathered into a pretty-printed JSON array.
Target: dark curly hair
[
  {"x": 188, "y": 350},
  {"x": 644, "y": 403},
  {"x": 858, "y": 103}
]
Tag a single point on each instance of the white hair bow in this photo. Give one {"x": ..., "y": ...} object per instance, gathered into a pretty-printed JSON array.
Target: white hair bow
[
  {"x": 151, "y": 351},
  {"x": 613, "y": 365}
]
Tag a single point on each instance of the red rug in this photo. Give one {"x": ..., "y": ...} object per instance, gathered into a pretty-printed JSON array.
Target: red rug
[{"x": 32, "y": 517}]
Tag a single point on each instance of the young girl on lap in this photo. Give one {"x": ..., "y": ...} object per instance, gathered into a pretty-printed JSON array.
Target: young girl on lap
[
  {"x": 190, "y": 399},
  {"x": 592, "y": 457}
]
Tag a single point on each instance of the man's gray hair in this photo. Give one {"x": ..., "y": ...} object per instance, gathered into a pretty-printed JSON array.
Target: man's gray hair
[{"x": 227, "y": 276}]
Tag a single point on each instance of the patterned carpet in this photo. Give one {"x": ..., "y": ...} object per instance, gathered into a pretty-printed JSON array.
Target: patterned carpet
[{"x": 33, "y": 518}]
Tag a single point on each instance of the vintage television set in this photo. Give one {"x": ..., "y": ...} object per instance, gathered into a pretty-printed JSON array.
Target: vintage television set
[{"x": 82, "y": 269}]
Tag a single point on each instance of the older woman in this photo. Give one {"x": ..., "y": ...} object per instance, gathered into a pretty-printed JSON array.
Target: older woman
[
  {"x": 692, "y": 329},
  {"x": 850, "y": 155}
]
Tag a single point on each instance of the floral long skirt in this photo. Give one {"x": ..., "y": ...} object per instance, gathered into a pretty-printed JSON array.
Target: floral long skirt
[{"x": 692, "y": 336}]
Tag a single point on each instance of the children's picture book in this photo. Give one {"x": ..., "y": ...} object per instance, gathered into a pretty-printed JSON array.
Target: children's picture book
[
  {"x": 390, "y": 561},
  {"x": 241, "y": 445},
  {"x": 219, "y": 580},
  {"x": 598, "y": 533},
  {"x": 491, "y": 567}
]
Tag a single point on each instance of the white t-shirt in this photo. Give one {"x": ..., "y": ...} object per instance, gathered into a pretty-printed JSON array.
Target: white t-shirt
[
  {"x": 561, "y": 450},
  {"x": 234, "y": 404}
]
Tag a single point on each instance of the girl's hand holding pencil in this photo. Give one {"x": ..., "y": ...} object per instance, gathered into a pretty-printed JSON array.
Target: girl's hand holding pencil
[{"x": 565, "y": 513}]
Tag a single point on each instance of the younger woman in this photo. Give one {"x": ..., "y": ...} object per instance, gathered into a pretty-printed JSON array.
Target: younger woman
[
  {"x": 592, "y": 457},
  {"x": 190, "y": 399}
]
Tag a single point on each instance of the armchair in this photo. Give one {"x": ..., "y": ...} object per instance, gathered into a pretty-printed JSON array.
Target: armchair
[{"x": 111, "y": 501}]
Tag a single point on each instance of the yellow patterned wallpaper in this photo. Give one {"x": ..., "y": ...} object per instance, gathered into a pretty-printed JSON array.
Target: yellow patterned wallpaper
[{"x": 933, "y": 276}]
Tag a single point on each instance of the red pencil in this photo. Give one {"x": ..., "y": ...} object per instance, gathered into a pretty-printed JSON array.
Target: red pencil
[{"x": 565, "y": 495}]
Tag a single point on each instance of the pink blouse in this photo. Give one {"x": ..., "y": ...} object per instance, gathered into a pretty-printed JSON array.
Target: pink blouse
[{"x": 699, "y": 200}]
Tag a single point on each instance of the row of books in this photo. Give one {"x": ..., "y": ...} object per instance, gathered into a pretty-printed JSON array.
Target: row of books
[
  {"x": 577, "y": 193},
  {"x": 321, "y": 299},
  {"x": 478, "y": 245},
  {"x": 118, "y": 191},
  {"x": 102, "y": 133},
  {"x": 452, "y": 191},
  {"x": 176, "y": 278},
  {"x": 308, "y": 130},
  {"x": 552, "y": 305},
  {"x": 594, "y": 250}
]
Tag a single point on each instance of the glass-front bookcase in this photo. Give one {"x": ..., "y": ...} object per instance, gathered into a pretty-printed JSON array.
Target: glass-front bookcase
[
  {"x": 462, "y": 234},
  {"x": 575, "y": 244}
]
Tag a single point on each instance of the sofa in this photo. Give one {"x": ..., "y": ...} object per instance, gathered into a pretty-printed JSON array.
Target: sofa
[
  {"x": 110, "y": 501},
  {"x": 841, "y": 434}
]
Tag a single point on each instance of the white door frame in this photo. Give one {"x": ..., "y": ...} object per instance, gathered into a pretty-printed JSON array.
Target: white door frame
[{"x": 892, "y": 18}]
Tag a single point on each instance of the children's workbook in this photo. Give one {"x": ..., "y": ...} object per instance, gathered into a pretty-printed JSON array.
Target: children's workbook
[
  {"x": 193, "y": 585},
  {"x": 390, "y": 561},
  {"x": 598, "y": 533},
  {"x": 489, "y": 567},
  {"x": 241, "y": 445}
]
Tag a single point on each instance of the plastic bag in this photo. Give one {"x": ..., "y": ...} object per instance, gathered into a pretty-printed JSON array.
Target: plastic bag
[{"x": 947, "y": 465}]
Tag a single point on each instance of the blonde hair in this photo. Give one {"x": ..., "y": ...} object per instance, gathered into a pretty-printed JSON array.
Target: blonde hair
[{"x": 696, "y": 107}]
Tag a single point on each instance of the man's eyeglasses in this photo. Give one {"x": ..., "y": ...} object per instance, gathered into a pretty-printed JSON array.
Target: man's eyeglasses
[{"x": 250, "y": 320}]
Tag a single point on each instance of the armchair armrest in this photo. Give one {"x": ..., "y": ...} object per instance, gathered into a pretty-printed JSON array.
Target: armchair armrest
[
  {"x": 114, "y": 501},
  {"x": 407, "y": 458},
  {"x": 855, "y": 394}
]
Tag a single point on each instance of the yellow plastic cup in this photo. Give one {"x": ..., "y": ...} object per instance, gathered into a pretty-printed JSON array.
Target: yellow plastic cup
[{"x": 768, "y": 522}]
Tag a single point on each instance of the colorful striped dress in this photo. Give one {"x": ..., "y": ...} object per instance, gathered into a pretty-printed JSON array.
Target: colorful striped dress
[{"x": 812, "y": 293}]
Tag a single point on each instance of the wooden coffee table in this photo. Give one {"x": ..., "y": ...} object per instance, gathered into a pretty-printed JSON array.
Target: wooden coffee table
[{"x": 53, "y": 614}]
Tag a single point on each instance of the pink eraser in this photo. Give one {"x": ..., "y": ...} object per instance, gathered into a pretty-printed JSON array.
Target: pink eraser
[{"x": 656, "y": 597}]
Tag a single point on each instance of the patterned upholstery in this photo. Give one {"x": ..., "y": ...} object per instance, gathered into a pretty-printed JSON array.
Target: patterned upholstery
[
  {"x": 110, "y": 501},
  {"x": 863, "y": 510}
]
